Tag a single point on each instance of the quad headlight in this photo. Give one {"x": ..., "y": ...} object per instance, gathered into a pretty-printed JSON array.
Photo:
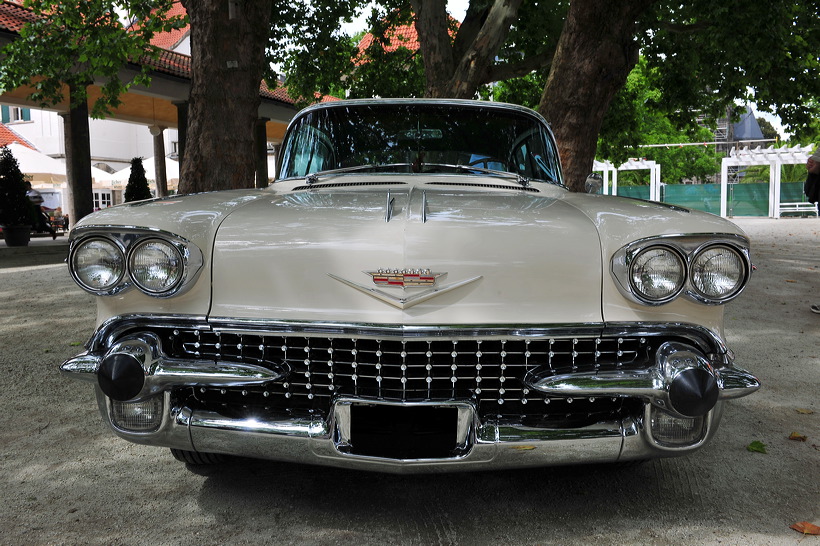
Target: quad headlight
[
  {"x": 159, "y": 264},
  {"x": 98, "y": 265},
  {"x": 657, "y": 274},
  {"x": 155, "y": 266},
  {"x": 710, "y": 270},
  {"x": 718, "y": 273}
]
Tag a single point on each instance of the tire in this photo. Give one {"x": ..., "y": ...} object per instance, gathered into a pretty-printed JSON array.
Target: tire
[{"x": 196, "y": 458}]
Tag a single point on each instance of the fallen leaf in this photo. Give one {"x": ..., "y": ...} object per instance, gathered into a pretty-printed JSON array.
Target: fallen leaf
[
  {"x": 789, "y": 280},
  {"x": 804, "y": 411},
  {"x": 756, "y": 447},
  {"x": 523, "y": 448},
  {"x": 806, "y": 528},
  {"x": 798, "y": 437}
]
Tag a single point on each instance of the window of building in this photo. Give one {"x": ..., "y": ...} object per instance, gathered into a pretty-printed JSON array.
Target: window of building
[
  {"x": 102, "y": 199},
  {"x": 12, "y": 114}
]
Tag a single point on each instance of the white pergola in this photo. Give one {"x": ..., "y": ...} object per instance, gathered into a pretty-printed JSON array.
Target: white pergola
[
  {"x": 607, "y": 167},
  {"x": 774, "y": 158}
]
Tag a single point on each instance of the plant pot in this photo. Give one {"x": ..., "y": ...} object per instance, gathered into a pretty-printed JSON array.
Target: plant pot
[{"x": 17, "y": 235}]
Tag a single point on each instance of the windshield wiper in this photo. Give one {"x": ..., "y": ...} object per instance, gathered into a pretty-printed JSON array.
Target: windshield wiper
[
  {"x": 522, "y": 180},
  {"x": 312, "y": 178}
]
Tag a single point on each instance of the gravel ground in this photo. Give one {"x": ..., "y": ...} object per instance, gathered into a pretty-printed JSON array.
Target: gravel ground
[{"x": 67, "y": 480}]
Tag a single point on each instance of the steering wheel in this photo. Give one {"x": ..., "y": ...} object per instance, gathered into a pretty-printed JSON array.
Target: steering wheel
[{"x": 484, "y": 162}]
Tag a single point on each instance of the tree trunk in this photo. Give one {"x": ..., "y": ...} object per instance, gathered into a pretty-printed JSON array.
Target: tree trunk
[
  {"x": 78, "y": 159},
  {"x": 456, "y": 71},
  {"x": 595, "y": 54},
  {"x": 228, "y": 40}
]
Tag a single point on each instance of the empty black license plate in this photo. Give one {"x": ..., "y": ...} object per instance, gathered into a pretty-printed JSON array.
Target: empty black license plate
[{"x": 403, "y": 432}]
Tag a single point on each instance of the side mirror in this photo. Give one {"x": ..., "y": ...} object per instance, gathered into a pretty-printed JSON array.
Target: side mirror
[{"x": 594, "y": 183}]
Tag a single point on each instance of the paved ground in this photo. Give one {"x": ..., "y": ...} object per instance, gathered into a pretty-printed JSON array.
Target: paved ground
[{"x": 66, "y": 480}]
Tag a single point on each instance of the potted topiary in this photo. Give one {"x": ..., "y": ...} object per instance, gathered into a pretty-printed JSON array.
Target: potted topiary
[
  {"x": 15, "y": 207},
  {"x": 137, "y": 188}
]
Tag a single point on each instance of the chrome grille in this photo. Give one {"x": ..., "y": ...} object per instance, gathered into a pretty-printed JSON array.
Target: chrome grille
[{"x": 489, "y": 372}]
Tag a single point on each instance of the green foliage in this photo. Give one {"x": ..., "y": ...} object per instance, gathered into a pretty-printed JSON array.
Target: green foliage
[
  {"x": 15, "y": 207},
  {"x": 525, "y": 91},
  {"x": 137, "y": 188},
  {"x": 80, "y": 43},
  {"x": 768, "y": 130},
  {"x": 710, "y": 54},
  {"x": 306, "y": 40},
  {"x": 387, "y": 68},
  {"x": 636, "y": 118}
]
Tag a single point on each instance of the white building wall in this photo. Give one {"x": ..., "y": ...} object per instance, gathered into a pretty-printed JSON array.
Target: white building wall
[{"x": 114, "y": 143}]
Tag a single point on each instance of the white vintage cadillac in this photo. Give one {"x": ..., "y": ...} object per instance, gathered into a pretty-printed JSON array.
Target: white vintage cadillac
[{"x": 418, "y": 291}]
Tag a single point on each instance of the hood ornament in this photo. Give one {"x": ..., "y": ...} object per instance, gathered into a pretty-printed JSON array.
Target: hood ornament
[{"x": 404, "y": 279}]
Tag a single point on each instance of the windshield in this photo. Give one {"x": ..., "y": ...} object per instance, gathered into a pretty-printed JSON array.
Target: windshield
[{"x": 420, "y": 138}]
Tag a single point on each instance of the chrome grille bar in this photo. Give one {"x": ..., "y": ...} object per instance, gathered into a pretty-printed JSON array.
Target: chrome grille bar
[{"x": 489, "y": 372}]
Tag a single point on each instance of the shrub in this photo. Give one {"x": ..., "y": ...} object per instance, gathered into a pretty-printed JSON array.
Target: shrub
[
  {"x": 15, "y": 208},
  {"x": 137, "y": 188}
]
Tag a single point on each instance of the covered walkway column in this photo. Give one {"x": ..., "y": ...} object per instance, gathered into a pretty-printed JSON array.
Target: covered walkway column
[
  {"x": 159, "y": 160},
  {"x": 260, "y": 144},
  {"x": 77, "y": 136},
  {"x": 182, "y": 128}
]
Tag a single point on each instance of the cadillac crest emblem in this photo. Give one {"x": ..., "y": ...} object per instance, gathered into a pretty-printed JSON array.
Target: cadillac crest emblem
[{"x": 404, "y": 278}]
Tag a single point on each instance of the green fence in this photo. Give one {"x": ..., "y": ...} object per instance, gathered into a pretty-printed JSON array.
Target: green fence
[{"x": 743, "y": 199}]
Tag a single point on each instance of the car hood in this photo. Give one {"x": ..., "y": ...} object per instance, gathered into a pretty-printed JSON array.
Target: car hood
[{"x": 497, "y": 255}]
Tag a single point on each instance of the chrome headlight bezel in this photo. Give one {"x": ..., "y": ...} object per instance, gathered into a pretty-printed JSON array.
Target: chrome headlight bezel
[
  {"x": 689, "y": 248},
  {"x": 109, "y": 289},
  {"x": 679, "y": 283},
  {"x": 127, "y": 239},
  {"x": 744, "y": 269},
  {"x": 176, "y": 252}
]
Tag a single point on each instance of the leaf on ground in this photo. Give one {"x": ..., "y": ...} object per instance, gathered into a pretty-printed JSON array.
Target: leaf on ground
[
  {"x": 806, "y": 528},
  {"x": 756, "y": 447},
  {"x": 789, "y": 280},
  {"x": 798, "y": 437},
  {"x": 803, "y": 411},
  {"x": 75, "y": 344}
]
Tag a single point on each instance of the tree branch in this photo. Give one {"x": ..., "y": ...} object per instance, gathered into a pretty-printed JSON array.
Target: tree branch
[{"x": 506, "y": 71}]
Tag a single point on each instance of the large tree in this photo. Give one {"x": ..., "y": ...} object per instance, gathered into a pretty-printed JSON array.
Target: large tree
[
  {"x": 228, "y": 42},
  {"x": 232, "y": 45},
  {"x": 707, "y": 55},
  {"x": 67, "y": 47}
]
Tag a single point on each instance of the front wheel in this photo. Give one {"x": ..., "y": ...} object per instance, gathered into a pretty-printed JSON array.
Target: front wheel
[{"x": 196, "y": 458}]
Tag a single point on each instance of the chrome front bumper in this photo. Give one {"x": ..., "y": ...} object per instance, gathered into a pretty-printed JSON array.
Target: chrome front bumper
[
  {"x": 488, "y": 445},
  {"x": 132, "y": 369}
]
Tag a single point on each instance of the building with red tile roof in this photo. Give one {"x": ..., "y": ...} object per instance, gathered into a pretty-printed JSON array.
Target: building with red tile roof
[
  {"x": 8, "y": 136},
  {"x": 401, "y": 36}
]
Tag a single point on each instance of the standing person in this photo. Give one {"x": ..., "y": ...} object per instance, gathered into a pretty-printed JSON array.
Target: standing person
[
  {"x": 40, "y": 223},
  {"x": 812, "y": 190}
]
